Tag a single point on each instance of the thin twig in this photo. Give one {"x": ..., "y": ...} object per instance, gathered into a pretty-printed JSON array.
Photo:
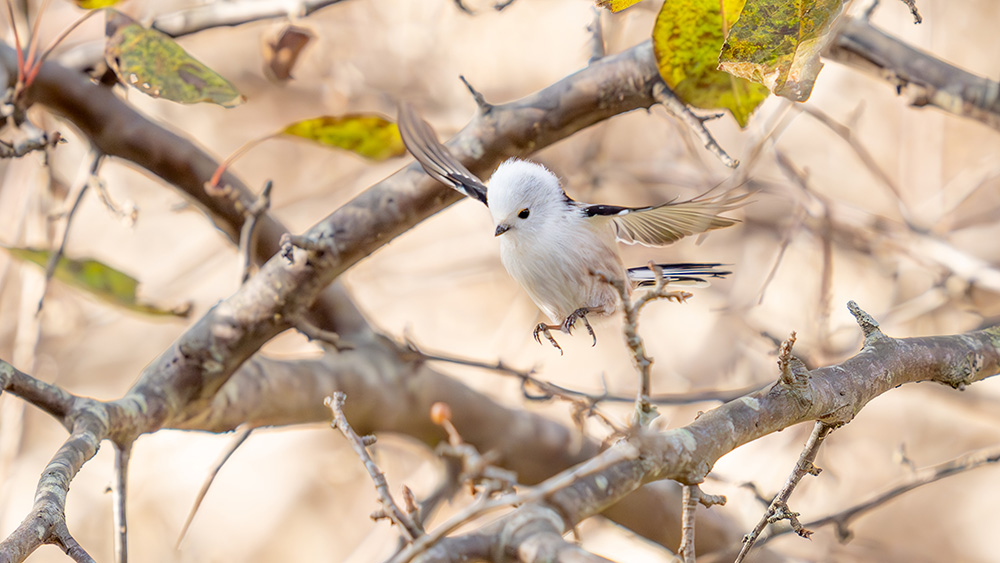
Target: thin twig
[
  {"x": 645, "y": 412},
  {"x": 961, "y": 464},
  {"x": 69, "y": 544},
  {"x": 692, "y": 496},
  {"x": 247, "y": 242},
  {"x": 681, "y": 111},
  {"x": 389, "y": 507},
  {"x": 119, "y": 495},
  {"x": 50, "y": 267},
  {"x": 484, "y": 106},
  {"x": 597, "y": 47},
  {"x": 551, "y": 390},
  {"x": 32, "y": 143},
  {"x": 912, "y": 5},
  {"x": 218, "y": 14},
  {"x": 688, "y": 506},
  {"x": 239, "y": 437},
  {"x": 779, "y": 506},
  {"x": 50, "y": 398},
  {"x": 313, "y": 332},
  {"x": 866, "y": 158},
  {"x": 484, "y": 505}
]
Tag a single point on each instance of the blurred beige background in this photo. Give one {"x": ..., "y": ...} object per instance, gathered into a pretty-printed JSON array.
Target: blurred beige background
[{"x": 301, "y": 494}]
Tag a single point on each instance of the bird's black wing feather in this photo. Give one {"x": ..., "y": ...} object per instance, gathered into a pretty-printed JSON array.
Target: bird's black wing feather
[{"x": 437, "y": 160}]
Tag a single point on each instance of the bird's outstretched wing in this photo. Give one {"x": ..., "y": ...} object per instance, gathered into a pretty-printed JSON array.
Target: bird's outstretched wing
[
  {"x": 436, "y": 159},
  {"x": 666, "y": 223}
]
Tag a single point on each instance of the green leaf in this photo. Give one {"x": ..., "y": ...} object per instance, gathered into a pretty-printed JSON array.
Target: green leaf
[
  {"x": 616, "y": 5},
  {"x": 96, "y": 278},
  {"x": 687, "y": 38},
  {"x": 370, "y": 136},
  {"x": 777, "y": 43},
  {"x": 154, "y": 64},
  {"x": 95, "y": 4}
]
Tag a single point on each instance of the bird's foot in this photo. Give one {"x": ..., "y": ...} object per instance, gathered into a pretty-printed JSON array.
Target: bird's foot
[
  {"x": 580, "y": 314},
  {"x": 544, "y": 329}
]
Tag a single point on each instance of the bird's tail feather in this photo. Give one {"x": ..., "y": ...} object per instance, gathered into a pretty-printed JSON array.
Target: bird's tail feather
[{"x": 688, "y": 273}]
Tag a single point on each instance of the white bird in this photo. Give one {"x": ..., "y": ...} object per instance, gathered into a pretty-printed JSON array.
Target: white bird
[{"x": 558, "y": 248}]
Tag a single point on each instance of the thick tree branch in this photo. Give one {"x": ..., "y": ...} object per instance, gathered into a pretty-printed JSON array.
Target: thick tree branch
[
  {"x": 222, "y": 14},
  {"x": 927, "y": 81},
  {"x": 832, "y": 395},
  {"x": 179, "y": 389}
]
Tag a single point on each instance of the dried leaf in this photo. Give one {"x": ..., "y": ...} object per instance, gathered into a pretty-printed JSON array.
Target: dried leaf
[
  {"x": 153, "y": 63},
  {"x": 687, "y": 38},
  {"x": 282, "y": 52},
  {"x": 370, "y": 136},
  {"x": 777, "y": 43},
  {"x": 616, "y": 5},
  {"x": 98, "y": 279}
]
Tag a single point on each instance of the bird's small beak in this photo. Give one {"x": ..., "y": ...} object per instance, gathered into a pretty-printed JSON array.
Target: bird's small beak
[{"x": 501, "y": 229}]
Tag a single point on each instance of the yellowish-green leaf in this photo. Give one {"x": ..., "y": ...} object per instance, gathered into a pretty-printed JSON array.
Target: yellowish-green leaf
[
  {"x": 153, "y": 63},
  {"x": 370, "y": 136},
  {"x": 616, "y": 5},
  {"x": 777, "y": 43},
  {"x": 96, "y": 278},
  {"x": 687, "y": 38},
  {"x": 95, "y": 4}
]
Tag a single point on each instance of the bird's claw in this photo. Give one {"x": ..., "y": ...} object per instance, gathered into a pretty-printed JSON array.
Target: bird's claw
[
  {"x": 544, "y": 329},
  {"x": 580, "y": 314}
]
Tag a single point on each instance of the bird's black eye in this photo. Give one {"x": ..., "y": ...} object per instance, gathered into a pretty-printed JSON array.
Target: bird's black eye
[{"x": 523, "y": 214}]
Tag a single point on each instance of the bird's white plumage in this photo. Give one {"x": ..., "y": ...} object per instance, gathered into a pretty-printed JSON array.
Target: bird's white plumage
[
  {"x": 553, "y": 245},
  {"x": 554, "y": 250}
]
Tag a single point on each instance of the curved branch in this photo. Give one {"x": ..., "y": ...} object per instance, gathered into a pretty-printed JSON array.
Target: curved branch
[
  {"x": 46, "y": 523},
  {"x": 927, "y": 80},
  {"x": 833, "y": 395},
  {"x": 180, "y": 389},
  {"x": 50, "y": 398}
]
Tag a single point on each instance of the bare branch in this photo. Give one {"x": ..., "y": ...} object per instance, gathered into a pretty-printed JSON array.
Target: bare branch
[
  {"x": 119, "y": 495},
  {"x": 247, "y": 233},
  {"x": 778, "y": 510},
  {"x": 912, "y": 5},
  {"x": 45, "y": 396},
  {"x": 481, "y": 102},
  {"x": 692, "y": 497},
  {"x": 46, "y": 522},
  {"x": 597, "y": 47},
  {"x": 928, "y": 81},
  {"x": 696, "y": 124},
  {"x": 208, "y": 16},
  {"x": 50, "y": 267},
  {"x": 688, "y": 505},
  {"x": 961, "y": 464},
  {"x": 389, "y": 507},
  {"x": 239, "y": 437},
  {"x": 644, "y": 411}
]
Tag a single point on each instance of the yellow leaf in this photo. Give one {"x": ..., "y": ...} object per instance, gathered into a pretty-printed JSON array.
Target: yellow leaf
[
  {"x": 778, "y": 43},
  {"x": 98, "y": 279},
  {"x": 687, "y": 38},
  {"x": 370, "y": 136},
  {"x": 95, "y": 4},
  {"x": 156, "y": 65}
]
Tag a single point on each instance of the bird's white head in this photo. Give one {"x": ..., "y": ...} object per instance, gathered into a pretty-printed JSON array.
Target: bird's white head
[{"x": 523, "y": 198}]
